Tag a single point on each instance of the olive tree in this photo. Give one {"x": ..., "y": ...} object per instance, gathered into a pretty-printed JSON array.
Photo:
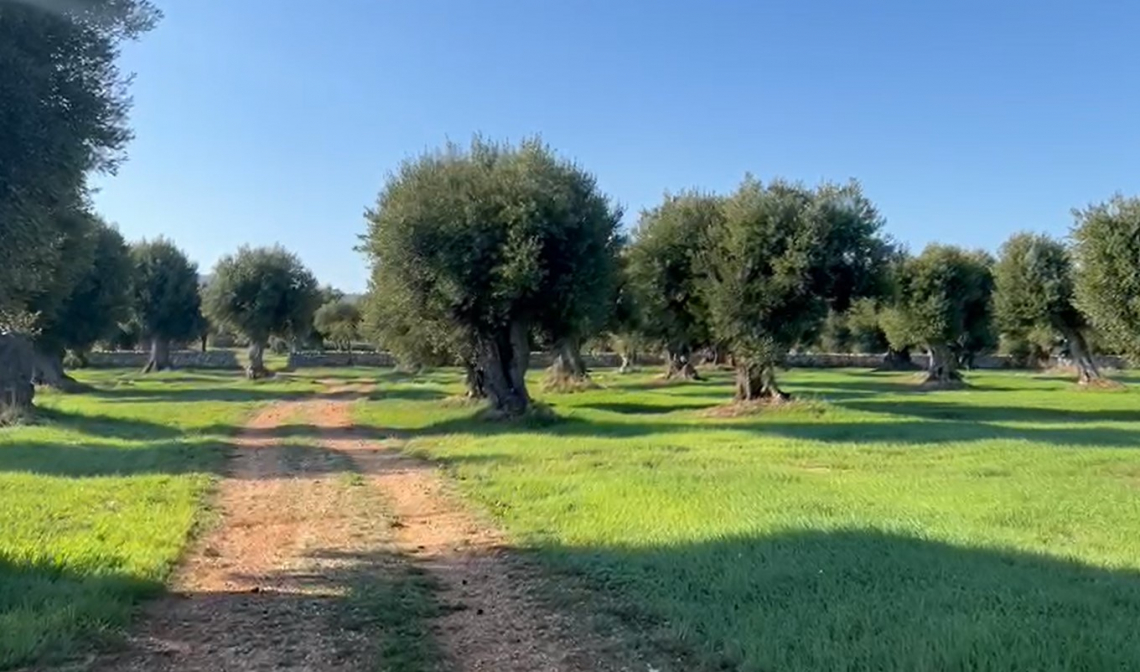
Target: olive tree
[
  {"x": 664, "y": 279},
  {"x": 165, "y": 303},
  {"x": 95, "y": 301},
  {"x": 64, "y": 116},
  {"x": 488, "y": 240},
  {"x": 259, "y": 293},
  {"x": 1034, "y": 289},
  {"x": 339, "y": 323},
  {"x": 1106, "y": 252},
  {"x": 779, "y": 257},
  {"x": 943, "y": 303}
]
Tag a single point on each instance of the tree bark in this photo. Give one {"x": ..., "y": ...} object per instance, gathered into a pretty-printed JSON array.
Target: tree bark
[
  {"x": 204, "y": 338},
  {"x": 568, "y": 369},
  {"x": 256, "y": 367},
  {"x": 897, "y": 360},
  {"x": 503, "y": 360},
  {"x": 943, "y": 367},
  {"x": 626, "y": 362},
  {"x": 680, "y": 365},
  {"x": 757, "y": 382},
  {"x": 48, "y": 371},
  {"x": 159, "y": 355},
  {"x": 16, "y": 369},
  {"x": 473, "y": 377},
  {"x": 1087, "y": 371}
]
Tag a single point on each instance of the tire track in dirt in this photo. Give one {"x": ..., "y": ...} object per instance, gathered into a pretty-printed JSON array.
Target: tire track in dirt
[
  {"x": 493, "y": 621},
  {"x": 264, "y": 588}
]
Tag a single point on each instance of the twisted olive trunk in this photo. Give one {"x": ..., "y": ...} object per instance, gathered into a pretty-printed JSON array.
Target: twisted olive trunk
[
  {"x": 47, "y": 370},
  {"x": 757, "y": 382},
  {"x": 503, "y": 359},
  {"x": 568, "y": 366},
  {"x": 159, "y": 355},
  {"x": 1087, "y": 371},
  {"x": 943, "y": 366},
  {"x": 256, "y": 367},
  {"x": 473, "y": 376},
  {"x": 680, "y": 365}
]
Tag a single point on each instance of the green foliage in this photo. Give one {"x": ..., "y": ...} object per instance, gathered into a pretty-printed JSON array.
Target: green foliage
[
  {"x": 75, "y": 246},
  {"x": 262, "y": 292},
  {"x": 943, "y": 298},
  {"x": 100, "y": 300},
  {"x": 164, "y": 291},
  {"x": 1106, "y": 248},
  {"x": 64, "y": 116},
  {"x": 1033, "y": 286},
  {"x": 338, "y": 322},
  {"x": 779, "y": 258},
  {"x": 488, "y": 243},
  {"x": 662, "y": 274},
  {"x": 864, "y": 322}
]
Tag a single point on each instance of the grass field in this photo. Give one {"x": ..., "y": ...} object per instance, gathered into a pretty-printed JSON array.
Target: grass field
[
  {"x": 869, "y": 527},
  {"x": 872, "y": 527},
  {"x": 98, "y": 498}
]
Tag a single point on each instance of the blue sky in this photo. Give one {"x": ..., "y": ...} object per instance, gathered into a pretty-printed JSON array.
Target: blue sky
[{"x": 265, "y": 121}]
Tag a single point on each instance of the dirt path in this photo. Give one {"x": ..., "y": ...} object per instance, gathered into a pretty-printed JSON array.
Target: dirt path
[{"x": 265, "y": 589}]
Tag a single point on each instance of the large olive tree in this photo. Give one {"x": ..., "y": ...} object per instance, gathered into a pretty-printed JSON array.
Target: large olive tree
[
  {"x": 943, "y": 302},
  {"x": 262, "y": 292},
  {"x": 165, "y": 303},
  {"x": 1033, "y": 290},
  {"x": 775, "y": 262},
  {"x": 338, "y": 322},
  {"x": 664, "y": 280},
  {"x": 1106, "y": 251},
  {"x": 63, "y": 115},
  {"x": 487, "y": 241}
]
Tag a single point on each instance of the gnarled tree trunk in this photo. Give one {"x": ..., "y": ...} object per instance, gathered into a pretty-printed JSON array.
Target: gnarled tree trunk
[
  {"x": 47, "y": 370},
  {"x": 757, "y": 382},
  {"x": 628, "y": 358},
  {"x": 503, "y": 359},
  {"x": 943, "y": 367},
  {"x": 159, "y": 355},
  {"x": 897, "y": 360},
  {"x": 568, "y": 369},
  {"x": 256, "y": 367},
  {"x": 1087, "y": 371},
  {"x": 680, "y": 365},
  {"x": 473, "y": 377},
  {"x": 16, "y": 370}
]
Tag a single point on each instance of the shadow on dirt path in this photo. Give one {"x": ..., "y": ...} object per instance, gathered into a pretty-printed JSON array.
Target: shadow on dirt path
[{"x": 303, "y": 527}]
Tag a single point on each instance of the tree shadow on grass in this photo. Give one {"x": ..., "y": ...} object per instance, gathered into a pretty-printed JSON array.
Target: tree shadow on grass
[
  {"x": 924, "y": 432},
  {"x": 866, "y": 600},
  {"x": 144, "y": 395},
  {"x": 105, "y": 426},
  {"x": 986, "y": 413},
  {"x": 634, "y": 408},
  {"x": 79, "y": 461},
  {"x": 50, "y": 610}
]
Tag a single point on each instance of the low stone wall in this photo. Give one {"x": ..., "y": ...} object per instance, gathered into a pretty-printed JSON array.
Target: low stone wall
[
  {"x": 302, "y": 360},
  {"x": 181, "y": 359}
]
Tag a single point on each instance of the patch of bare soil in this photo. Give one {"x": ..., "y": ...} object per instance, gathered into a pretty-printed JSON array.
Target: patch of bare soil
[
  {"x": 265, "y": 588},
  {"x": 493, "y": 621}
]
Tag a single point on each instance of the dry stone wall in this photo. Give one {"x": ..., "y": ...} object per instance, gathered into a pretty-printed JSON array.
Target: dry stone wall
[{"x": 180, "y": 359}]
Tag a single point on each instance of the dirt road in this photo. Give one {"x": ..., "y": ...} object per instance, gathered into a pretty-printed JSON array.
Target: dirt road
[{"x": 310, "y": 511}]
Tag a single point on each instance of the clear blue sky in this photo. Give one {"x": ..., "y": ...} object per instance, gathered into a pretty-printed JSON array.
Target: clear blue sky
[{"x": 263, "y": 121}]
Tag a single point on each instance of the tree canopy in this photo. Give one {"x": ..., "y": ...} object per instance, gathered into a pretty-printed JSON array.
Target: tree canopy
[
  {"x": 494, "y": 241},
  {"x": 1106, "y": 249},
  {"x": 773, "y": 265},
  {"x": 943, "y": 302},
  {"x": 1034, "y": 290},
  {"x": 663, "y": 277},
  {"x": 259, "y": 293},
  {"x": 339, "y": 323},
  {"x": 165, "y": 303}
]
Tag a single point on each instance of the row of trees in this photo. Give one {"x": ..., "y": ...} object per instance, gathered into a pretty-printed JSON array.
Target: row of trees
[{"x": 480, "y": 253}]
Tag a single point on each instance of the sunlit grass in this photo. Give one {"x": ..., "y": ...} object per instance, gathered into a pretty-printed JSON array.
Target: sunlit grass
[{"x": 876, "y": 527}]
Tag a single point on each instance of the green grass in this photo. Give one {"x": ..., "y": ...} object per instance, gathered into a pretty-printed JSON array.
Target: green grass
[
  {"x": 98, "y": 499},
  {"x": 874, "y": 528}
]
